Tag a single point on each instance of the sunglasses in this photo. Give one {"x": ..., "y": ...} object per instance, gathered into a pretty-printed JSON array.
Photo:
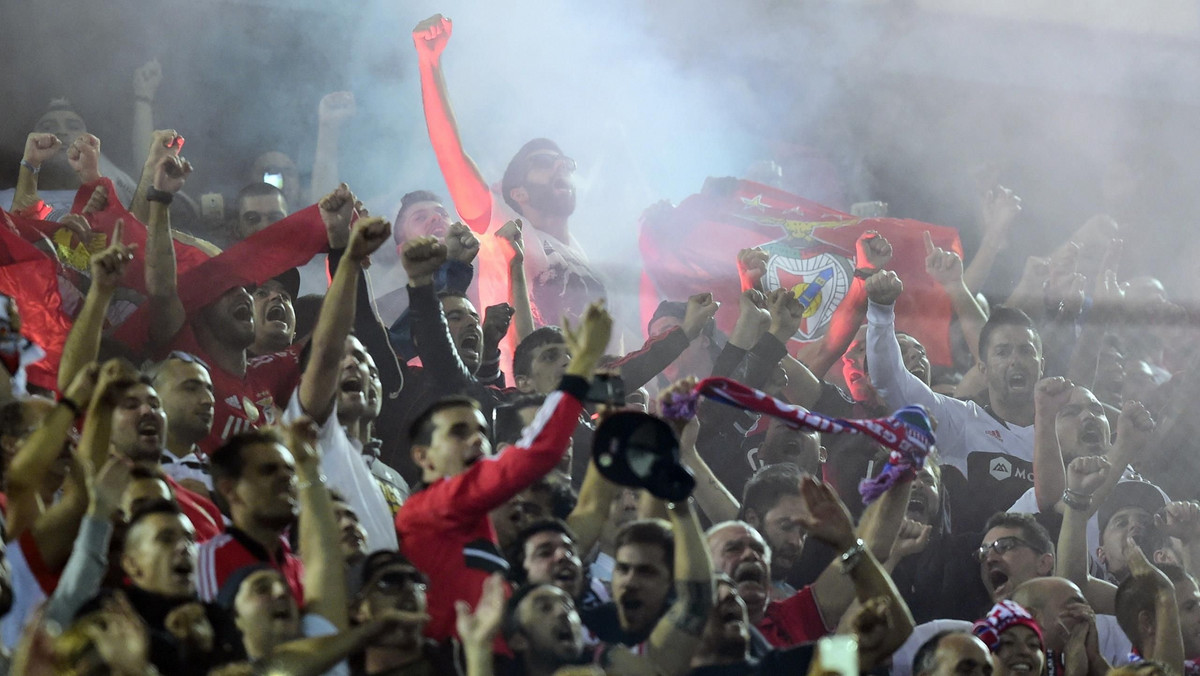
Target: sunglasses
[
  {"x": 546, "y": 161},
  {"x": 1002, "y": 546}
]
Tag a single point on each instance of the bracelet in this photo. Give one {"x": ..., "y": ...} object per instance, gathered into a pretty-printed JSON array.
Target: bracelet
[
  {"x": 853, "y": 556},
  {"x": 25, "y": 163},
  {"x": 865, "y": 273},
  {"x": 1077, "y": 501},
  {"x": 161, "y": 196},
  {"x": 69, "y": 403}
]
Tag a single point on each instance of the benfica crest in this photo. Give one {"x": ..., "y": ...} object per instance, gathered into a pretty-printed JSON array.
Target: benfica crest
[{"x": 819, "y": 279}]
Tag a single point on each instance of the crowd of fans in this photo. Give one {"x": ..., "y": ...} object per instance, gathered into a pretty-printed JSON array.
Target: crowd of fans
[{"x": 387, "y": 482}]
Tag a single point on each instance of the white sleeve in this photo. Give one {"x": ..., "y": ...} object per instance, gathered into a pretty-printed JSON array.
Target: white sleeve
[
  {"x": 897, "y": 387},
  {"x": 1026, "y": 504},
  {"x": 346, "y": 471}
]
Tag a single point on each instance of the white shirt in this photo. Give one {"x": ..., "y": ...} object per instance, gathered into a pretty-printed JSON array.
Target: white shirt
[{"x": 346, "y": 471}]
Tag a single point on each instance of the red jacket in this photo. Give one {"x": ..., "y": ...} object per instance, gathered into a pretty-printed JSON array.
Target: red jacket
[{"x": 444, "y": 528}]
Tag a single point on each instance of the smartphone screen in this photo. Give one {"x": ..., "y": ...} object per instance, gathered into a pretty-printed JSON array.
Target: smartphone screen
[{"x": 273, "y": 179}]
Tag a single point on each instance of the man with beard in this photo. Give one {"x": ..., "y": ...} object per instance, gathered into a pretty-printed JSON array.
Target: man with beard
[
  {"x": 537, "y": 185},
  {"x": 988, "y": 448},
  {"x": 186, "y": 390},
  {"x": 334, "y": 388},
  {"x": 390, "y": 582},
  {"x": 1070, "y": 423}
]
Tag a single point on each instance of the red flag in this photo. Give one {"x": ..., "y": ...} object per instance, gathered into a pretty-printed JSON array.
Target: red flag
[
  {"x": 693, "y": 247},
  {"x": 31, "y": 279}
]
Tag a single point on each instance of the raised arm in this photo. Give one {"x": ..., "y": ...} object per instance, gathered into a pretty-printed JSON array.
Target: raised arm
[
  {"x": 146, "y": 80},
  {"x": 161, "y": 284},
  {"x": 677, "y": 635},
  {"x": 163, "y": 143},
  {"x": 1182, "y": 520},
  {"x": 1000, "y": 210},
  {"x": 318, "y": 385},
  {"x": 872, "y": 252},
  {"x": 1050, "y": 396},
  {"x": 333, "y": 112},
  {"x": 518, "y": 286},
  {"x": 468, "y": 188},
  {"x": 946, "y": 268},
  {"x": 1084, "y": 478},
  {"x": 29, "y": 467},
  {"x": 39, "y": 148},
  {"x": 83, "y": 342},
  {"x": 829, "y": 521},
  {"x": 640, "y": 367},
  {"x": 1168, "y": 638},
  {"x": 324, "y": 567}
]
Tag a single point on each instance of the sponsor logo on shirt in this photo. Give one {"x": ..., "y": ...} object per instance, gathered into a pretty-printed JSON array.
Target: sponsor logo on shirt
[{"x": 995, "y": 434}]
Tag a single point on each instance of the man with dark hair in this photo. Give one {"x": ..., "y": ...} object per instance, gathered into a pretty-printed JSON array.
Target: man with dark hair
[
  {"x": 186, "y": 390},
  {"x": 254, "y": 473},
  {"x": 772, "y": 504},
  {"x": 444, "y": 527},
  {"x": 390, "y": 582},
  {"x": 989, "y": 448},
  {"x": 537, "y": 185},
  {"x": 544, "y": 553},
  {"x": 1144, "y": 601},
  {"x": 1015, "y": 549},
  {"x": 257, "y": 205},
  {"x": 953, "y": 653}
]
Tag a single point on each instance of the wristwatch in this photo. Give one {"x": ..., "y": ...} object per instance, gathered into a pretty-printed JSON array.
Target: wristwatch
[{"x": 853, "y": 556}]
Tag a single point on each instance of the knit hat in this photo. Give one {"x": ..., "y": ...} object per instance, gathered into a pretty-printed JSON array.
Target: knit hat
[{"x": 1004, "y": 616}]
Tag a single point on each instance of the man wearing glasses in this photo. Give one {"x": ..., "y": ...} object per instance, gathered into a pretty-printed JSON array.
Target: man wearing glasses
[
  {"x": 1015, "y": 548},
  {"x": 538, "y": 185},
  {"x": 392, "y": 582}
]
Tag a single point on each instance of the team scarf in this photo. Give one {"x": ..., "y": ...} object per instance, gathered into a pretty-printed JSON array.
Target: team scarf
[
  {"x": 906, "y": 433},
  {"x": 1190, "y": 667}
]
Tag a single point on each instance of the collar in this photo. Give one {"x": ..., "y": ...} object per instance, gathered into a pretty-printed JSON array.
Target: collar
[{"x": 257, "y": 550}]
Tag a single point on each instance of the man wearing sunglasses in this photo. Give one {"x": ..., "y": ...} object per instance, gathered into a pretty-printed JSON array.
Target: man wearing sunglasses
[
  {"x": 392, "y": 582},
  {"x": 538, "y": 185}
]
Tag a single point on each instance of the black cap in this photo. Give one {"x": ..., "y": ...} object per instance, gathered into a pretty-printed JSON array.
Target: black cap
[
  {"x": 290, "y": 281},
  {"x": 229, "y": 589},
  {"x": 1130, "y": 494},
  {"x": 640, "y": 451}
]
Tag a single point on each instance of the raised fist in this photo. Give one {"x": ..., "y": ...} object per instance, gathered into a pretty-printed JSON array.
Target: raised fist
[
  {"x": 700, "y": 310},
  {"x": 40, "y": 148},
  {"x": 421, "y": 257},
  {"x": 872, "y": 251},
  {"x": 752, "y": 265},
  {"x": 337, "y": 210},
  {"x": 146, "y": 80},
  {"x": 884, "y": 288},
  {"x": 84, "y": 157},
  {"x": 1135, "y": 429},
  {"x": 461, "y": 244},
  {"x": 1050, "y": 395},
  {"x": 171, "y": 173},
  {"x": 1180, "y": 520},
  {"x": 108, "y": 266},
  {"x": 1086, "y": 474},
  {"x": 496, "y": 320},
  {"x": 945, "y": 267},
  {"x": 430, "y": 37},
  {"x": 163, "y": 142},
  {"x": 511, "y": 232},
  {"x": 786, "y": 314},
  {"x": 366, "y": 237},
  {"x": 336, "y": 107}
]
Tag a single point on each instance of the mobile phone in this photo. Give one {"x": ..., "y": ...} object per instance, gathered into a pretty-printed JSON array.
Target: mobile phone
[
  {"x": 837, "y": 654},
  {"x": 273, "y": 179},
  {"x": 212, "y": 207},
  {"x": 606, "y": 389}
]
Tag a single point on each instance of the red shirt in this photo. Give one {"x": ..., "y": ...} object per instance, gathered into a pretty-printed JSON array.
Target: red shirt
[
  {"x": 444, "y": 528},
  {"x": 201, "y": 511},
  {"x": 793, "y": 621},
  {"x": 242, "y": 404},
  {"x": 221, "y": 556}
]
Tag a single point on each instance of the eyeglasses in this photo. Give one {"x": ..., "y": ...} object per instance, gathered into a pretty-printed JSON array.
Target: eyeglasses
[
  {"x": 547, "y": 161},
  {"x": 1002, "y": 546}
]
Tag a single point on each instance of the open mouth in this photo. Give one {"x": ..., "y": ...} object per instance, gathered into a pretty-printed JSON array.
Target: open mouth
[
  {"x": 631, "y": 605},
  {"x": 561, "y": 185},
  {"x": 277, "y": 313},
  {"x": 1021, "y": 666},
  {"x": 1090, "y": 433},
  {"x": 183, "y": 569},
  {"x": 352, "y": 385},
  {"x": 918, "y": 371},
  {"x": 149, "y": 428},
  {"x": 282, "y": 613},
  {"x": 243, "y": 312},
  {"x": 565, "y": 634},
  {"x": 750, "y": 573},
  {"x": 998, "y": 579},
  {"x": 470, "y": 344},
  {"x": 566, "y": 574},
  {"x": 1018, "y": 380},
  {"x": 917, "y": 504}
]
